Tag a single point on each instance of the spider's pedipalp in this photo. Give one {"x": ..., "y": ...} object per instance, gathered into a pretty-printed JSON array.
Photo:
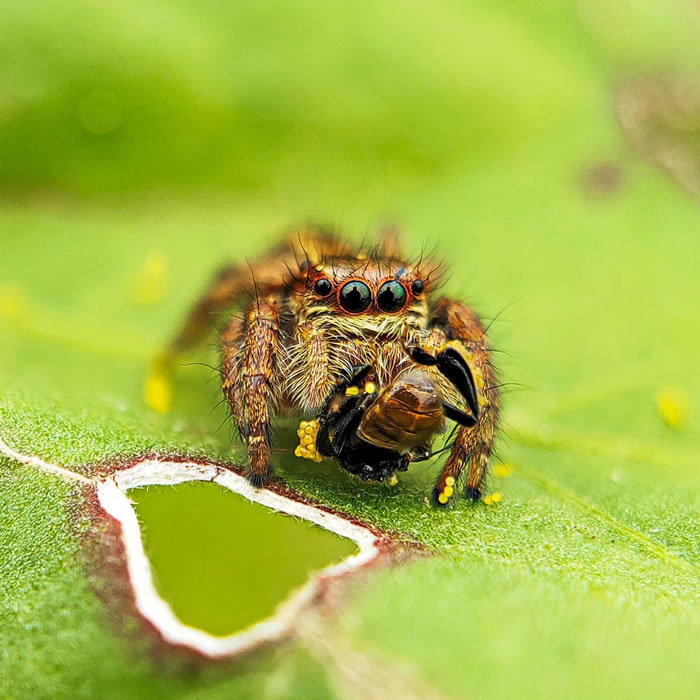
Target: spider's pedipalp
[{"x": 472, "y": 446}]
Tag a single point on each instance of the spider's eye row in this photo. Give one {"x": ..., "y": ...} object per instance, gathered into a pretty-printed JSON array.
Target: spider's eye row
[
  {"x": 391, "y": 296},
  {"x": 417, "y": 287},
  {"x": 354, "y": 296},
  {"x": 323, "y": 287}
]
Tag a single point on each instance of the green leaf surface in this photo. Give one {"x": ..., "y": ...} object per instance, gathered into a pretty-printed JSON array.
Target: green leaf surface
[{"x": 189, "y": 135}]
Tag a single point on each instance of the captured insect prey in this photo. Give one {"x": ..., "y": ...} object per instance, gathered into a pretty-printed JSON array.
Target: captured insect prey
[
  {"x": 374, "y": 433},
  {"x": 354, "y": 342}
]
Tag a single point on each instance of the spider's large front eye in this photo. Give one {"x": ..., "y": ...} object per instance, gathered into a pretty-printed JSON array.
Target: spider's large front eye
[
  {"x": 323, "y": 287},
  {"x": 355, "y": 297},
  {"x": 391, "y": 296}
]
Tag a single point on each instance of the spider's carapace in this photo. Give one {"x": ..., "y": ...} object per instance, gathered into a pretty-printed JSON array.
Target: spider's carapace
[{"x": 356, "y": 340}]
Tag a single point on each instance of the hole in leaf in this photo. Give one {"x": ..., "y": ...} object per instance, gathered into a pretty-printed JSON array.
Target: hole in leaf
[{"x": 223, "y": 563}]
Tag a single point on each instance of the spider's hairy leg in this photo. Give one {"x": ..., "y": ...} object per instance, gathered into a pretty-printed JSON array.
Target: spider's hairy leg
[
  {"x": 472, "y": 445},
  {"x": 230, "y": 285},
  {"x": 249, "y": 364},
  {"x": 268, "y": 274}
]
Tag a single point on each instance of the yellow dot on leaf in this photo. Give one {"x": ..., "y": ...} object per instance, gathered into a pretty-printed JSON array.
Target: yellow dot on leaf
[
  {"x": 496, "y": 497},
  {"x": 488, "y": 500},
  {"x": 502, "y": 469},
  {"x": 394, "y": 480},
  {"x": 672, "y": 405},
  {"x": 151, "y": 283},
  {"x": 157, "y": 391},
  {"x": 450, "y": 481},
  {"x": 12, "y": 301},
  {"x": 370, "y": 388},
  {"x": 442, "y": 498}
]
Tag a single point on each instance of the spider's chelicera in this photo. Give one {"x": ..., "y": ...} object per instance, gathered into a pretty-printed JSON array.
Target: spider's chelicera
[{"x": 356, "y": 342}]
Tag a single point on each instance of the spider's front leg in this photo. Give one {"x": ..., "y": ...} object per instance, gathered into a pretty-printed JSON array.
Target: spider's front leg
[
  {"x": 261, "y": 276},
  {"x": 249, "y": 364},
  {"x": 464, "y": 360}
]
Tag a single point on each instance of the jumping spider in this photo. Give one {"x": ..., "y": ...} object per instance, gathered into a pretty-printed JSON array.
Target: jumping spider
[{"x": 352, "y": 339}]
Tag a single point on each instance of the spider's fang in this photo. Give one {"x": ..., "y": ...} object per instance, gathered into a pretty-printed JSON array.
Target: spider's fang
[{"x": 457, "y": 370}]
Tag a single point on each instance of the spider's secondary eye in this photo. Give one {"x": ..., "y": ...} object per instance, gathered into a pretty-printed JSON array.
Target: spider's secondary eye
[
  {"x": 391, "y": 296},
  {"x": 355, "y": 296},
  {"x": 417, "y": 287},
  {"x": 323, "y": 287}
]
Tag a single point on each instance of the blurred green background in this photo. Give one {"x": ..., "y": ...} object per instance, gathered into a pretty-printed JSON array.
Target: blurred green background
[
  {"x": 549, "y": 151},
  {"x": 298, "y": 102}
]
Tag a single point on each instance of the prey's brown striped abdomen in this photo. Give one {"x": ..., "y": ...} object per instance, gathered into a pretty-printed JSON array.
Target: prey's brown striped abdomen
[{"x": 406, "y": 414}]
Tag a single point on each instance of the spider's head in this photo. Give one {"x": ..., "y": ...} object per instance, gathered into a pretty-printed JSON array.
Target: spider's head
[{"x": 366, "y": 293}]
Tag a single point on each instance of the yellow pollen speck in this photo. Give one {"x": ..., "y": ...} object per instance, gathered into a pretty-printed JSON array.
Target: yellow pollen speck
[
  {"x": 673, "y": 407},
  {"x": 362, "y": 255},
  {"x": 370, "y": 388},
  {"x": 12, "y": 301},
  {"x": 488, "y": 500},
  {"x": 450, "y": 481},
  {"x": 502, "y": 469},
  {"x": 151, "y": 283},
  {"x": 496, "y": 497},
  {"x": 307, "y": 432},
  {"x": 448, "y": 491},
  {"x": 442, "y": 498},
  {"x": 394, "y": 480},
  {"x": 352, "y": 391},
  {"x": 157, "y": 392}
]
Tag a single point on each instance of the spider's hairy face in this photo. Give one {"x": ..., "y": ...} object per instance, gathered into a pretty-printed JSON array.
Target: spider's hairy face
[{"x": 357, "y": 296}]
